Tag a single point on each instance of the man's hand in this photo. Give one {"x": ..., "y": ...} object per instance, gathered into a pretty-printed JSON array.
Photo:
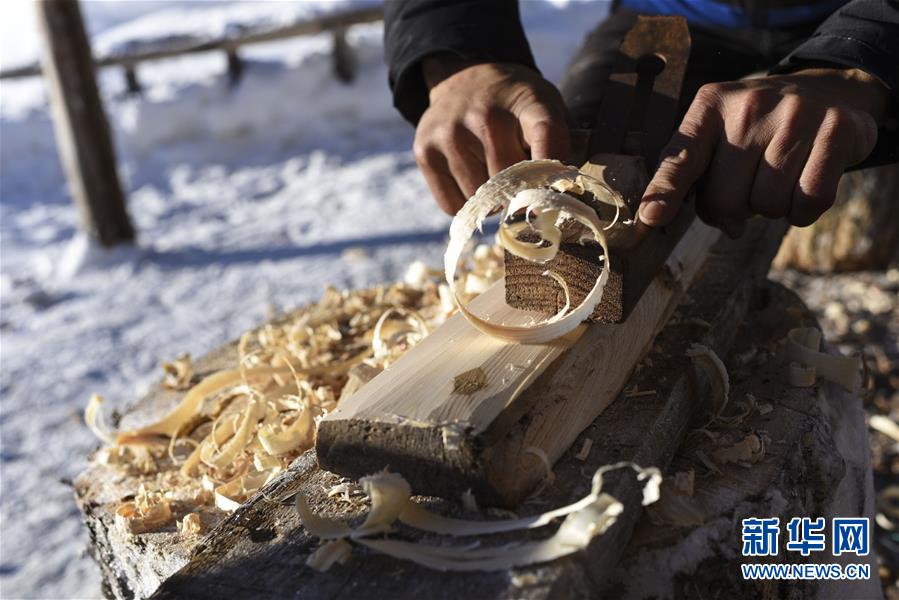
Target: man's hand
[
  {"x": 483, "y": 118},
  {"x": 774, "y": 146}
]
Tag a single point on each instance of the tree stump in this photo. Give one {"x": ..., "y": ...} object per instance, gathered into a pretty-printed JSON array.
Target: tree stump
[
  {"x": 860, "y": 232},
  {"x": 816, "y": 463}
]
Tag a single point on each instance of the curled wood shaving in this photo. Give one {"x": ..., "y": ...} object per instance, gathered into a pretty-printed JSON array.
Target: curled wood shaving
[
  {"x": 525, "y": 187},
  {"x": 231, "y": 495},
  {"x": 389, "y": 493},
  {"x": 635, "y": 392},
  {"x": 172, "y": 423},
  {"x": 684, "y": 482},
  {"x": 884, "y": 425},
  {"x": 297, "y": 436},
  {"x": 329, "y": 554},
  {"x": 178, "y": 373},
  {"x": 584, "y": 452},
  {"x": 220, "y": 458},
  {"x": 148, "y": 511},
  {"x": 347, "y": 490},
  {"x": 190, "y": 525},
  {"x": 709, "y": 362},
  {"x": 93, "y": 417},
  {"x": 750, "y": 449},
  {"x": 521, "y": 580},
  {"x": 470, "y": 381},
  {"x": 585, "y": 519},
  {"x": 288, "y": 374},
  {"x": 888, "y": 502},
  {"x": 469, "y": 502},
  {"x": 411, "y": 330},
  {"x": 800, "y": 376},
  {"x": 564, "y": 285},
  {"x": 803, "y": 348},
  {"x": 320, "y": 527}
]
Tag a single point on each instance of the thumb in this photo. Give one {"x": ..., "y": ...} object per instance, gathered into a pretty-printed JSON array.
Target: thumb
[{"x": 683, "y": 161}]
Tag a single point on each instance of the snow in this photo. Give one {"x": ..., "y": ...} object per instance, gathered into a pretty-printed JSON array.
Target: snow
[{"x": 247, "y": 201}]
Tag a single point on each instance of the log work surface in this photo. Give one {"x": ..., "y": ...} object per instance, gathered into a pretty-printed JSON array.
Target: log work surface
[{"x": 260, "y": 549}]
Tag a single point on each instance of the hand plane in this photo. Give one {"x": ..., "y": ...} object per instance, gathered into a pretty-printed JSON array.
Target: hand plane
[{"x": 636, "y": 118}]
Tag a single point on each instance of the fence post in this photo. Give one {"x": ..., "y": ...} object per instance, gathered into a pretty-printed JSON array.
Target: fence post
[{"x": 82, "y": 131}]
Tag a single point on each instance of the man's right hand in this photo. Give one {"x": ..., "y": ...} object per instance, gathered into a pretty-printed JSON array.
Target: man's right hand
[{"x": 483, "y": 118}]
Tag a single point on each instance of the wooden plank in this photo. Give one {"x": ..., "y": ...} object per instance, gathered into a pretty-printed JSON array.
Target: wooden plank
[
  {"x": 161, "y": 49},
  {"x": 443, "y": 442},
  {"x": 260, "y": 549},
  {"x": 82, "y": 131}
]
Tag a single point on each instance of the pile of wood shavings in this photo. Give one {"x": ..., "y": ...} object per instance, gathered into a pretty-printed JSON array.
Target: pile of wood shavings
[{"x": 235, "y": 430}]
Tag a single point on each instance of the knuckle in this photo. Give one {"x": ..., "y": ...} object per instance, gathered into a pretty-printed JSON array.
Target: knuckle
[
  {"x": 449, "y": 136},
  {"x": 792, "y": 117},
  {"x": 710, "y": 93},
  {"x": 837, "y": 117},
  {"x": 479, "y": 117},
  {"x": 545, "y": 131},
  {"x": 835, "y": 122},
  {"x": 486, "y": 122},
  {"x": 744, "y": 114},
  {"x": 542, "y": 128},
  {"x": 426, "y": 154}
]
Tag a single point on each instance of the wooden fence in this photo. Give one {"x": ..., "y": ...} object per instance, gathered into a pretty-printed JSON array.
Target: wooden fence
[{"x": 82, "y": 131}]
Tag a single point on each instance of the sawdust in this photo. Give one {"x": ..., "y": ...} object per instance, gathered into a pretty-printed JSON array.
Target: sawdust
[
  {"x": 237, "y": 429},
  {"x": 178, "y": 373}
]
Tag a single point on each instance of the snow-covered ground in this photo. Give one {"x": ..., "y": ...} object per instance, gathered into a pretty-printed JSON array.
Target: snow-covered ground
[{"x": 246, "y": 201}]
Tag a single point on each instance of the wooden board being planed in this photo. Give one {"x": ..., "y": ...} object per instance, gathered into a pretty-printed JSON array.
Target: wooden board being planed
[{"x": 409, "y": 419}]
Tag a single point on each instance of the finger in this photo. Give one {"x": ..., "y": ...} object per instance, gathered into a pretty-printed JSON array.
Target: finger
[
  {"x": 465, "y": 157},
  {"x": 728, "y": 182},
  {"x": 777, "y": 174},
  {"x": 683, "y": 160},
  {"x": 498, "y": 134},
  {"x": 468, "y": 170},
  {"x": 733, "y": 228},
  {"x": 731, "y": 173},
  {"x": 545, "y": 134},
  {"x": 844, "y": 138},
  {"x": 435, "y": 169}
]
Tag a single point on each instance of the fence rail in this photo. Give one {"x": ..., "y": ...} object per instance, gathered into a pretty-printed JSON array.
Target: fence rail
[{"x": 168, "y": 48}]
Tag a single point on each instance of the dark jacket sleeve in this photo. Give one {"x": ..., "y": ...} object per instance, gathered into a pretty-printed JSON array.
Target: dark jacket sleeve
[
  {"x": 863, "y": 34},
  {"x": 488, "y": 30}
]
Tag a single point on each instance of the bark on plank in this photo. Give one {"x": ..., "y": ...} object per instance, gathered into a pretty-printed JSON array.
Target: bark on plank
[{"x": 82, "y": 131}]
